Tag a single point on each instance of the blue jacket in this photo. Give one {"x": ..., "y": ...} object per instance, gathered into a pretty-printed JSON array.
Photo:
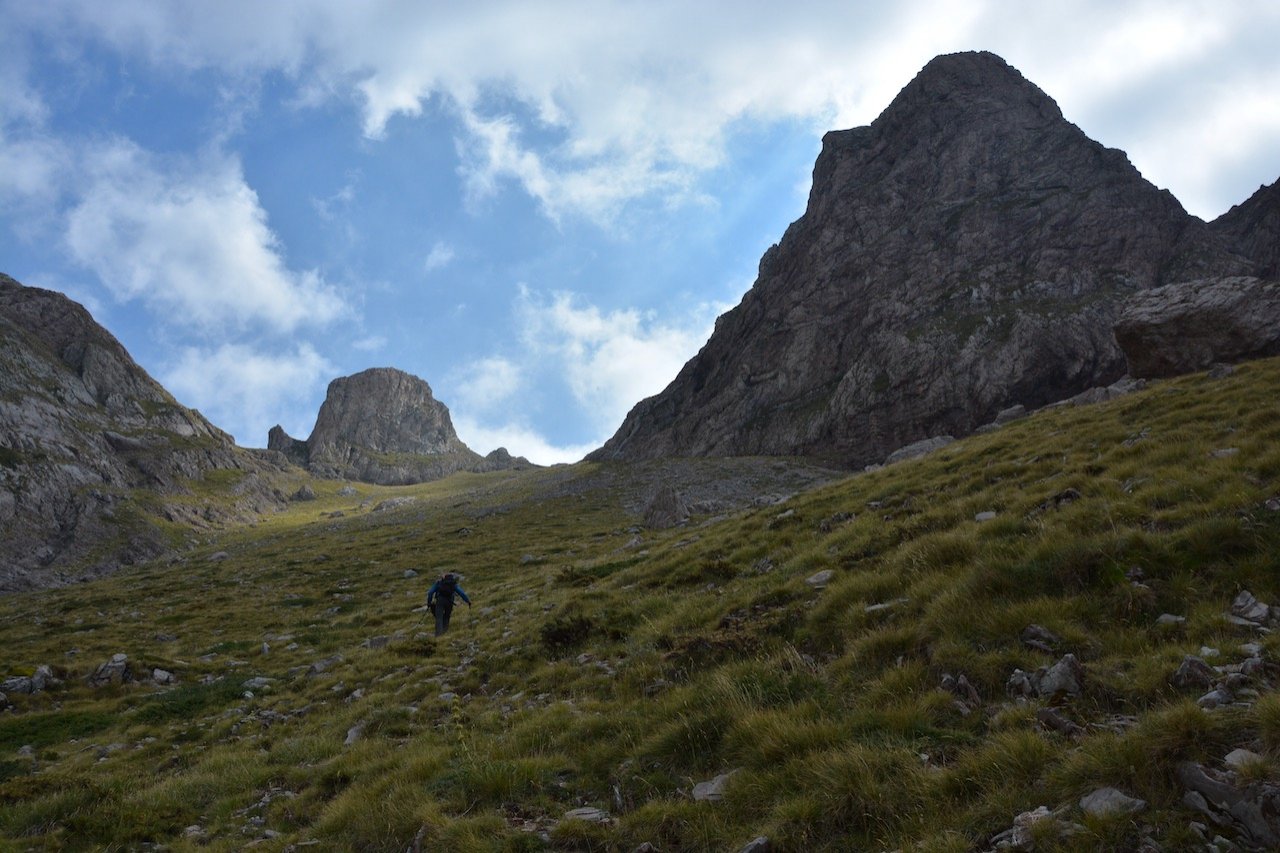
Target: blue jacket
[{"x": 434, "y": 592}]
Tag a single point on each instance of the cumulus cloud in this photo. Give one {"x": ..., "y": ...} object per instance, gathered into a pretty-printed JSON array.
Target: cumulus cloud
[
  {"x": 191, "y": 241},
  {"x": 605, "y": 360},
  {"x": 610, "y": 359},
  {"x": 519, "y": 440},
  {"x": 31, "y": 169},
  {"x": 246, "y": 390},
  {"x": 585, "y": 106},
  {"x": 485, "y": 386}
]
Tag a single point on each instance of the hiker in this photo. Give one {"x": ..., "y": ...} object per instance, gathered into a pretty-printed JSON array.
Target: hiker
[{"x": 440, "y": 600}]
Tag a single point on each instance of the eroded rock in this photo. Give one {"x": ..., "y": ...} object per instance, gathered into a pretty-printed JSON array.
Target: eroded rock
[
  {"x": 665, "y": 509},
  {"x": 1252, "y": 809},
  {"x": 967, "y": 251},
  {"x": 1064, "y": 679},
  {"x": 820, "y": 579},
  {"x": 1193, "y": 672},
  {"x": 713, "y": 790},
  {"x": 1188, "y": 326},
  {"x": 114, "y": 671},
  {"x": 1109, "y": 802}
]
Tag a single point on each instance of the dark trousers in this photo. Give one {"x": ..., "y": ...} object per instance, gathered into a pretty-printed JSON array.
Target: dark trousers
[{"x": 444, "y": 609}]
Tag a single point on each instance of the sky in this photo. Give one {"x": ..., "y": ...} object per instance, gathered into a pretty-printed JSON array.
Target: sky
[{"x": 538, "y": 207}]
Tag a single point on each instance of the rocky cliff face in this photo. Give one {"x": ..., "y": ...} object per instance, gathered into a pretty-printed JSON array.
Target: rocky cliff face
[
  {"x": 966, "y": 252},
  {"x": 384, "y": 426},
  {"x": 1254, "y": 226},
  {"x": 84, "y": 432}
]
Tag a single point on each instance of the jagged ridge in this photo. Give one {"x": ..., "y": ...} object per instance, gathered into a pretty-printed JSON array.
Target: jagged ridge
[{"x": 82, "y": 429}]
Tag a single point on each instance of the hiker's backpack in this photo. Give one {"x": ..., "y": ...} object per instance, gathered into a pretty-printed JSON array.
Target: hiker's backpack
[{"x": 446, "y": 588}]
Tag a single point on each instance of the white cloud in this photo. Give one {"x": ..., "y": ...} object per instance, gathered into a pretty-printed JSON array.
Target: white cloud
[
  {"x": 1238, "y": 125},
  {"x": 328, "y": 208},
  {"x": 21, "y": 103},
  {"x": 372, "y": 343},
  {"x": 588, "y": 105},
  {"x": 610, "y": 359},
  {"x": 190, "y": 240},
  {"x": 31, "y": 169},
  {"x": 485, "y": 386},
  {"x": 440, "y": 256},
  {"x": 604, "y": 360},
  {"x": 519, "y": 441},
  {"x": 246, "y": 391},
  {"x": 1120, "y": 45}
]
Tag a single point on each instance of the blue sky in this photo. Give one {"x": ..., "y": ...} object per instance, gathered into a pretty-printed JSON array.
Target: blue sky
[{"x": 538, "y": 207}]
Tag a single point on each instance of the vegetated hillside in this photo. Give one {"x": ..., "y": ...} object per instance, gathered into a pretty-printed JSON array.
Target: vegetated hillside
[
  {"x": 608, "y": 668},
  {"x": 99, "y": 465}
]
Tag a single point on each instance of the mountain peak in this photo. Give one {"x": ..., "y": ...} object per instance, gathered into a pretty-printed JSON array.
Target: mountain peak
[
  {"x": 976, "y": 84},
  {"x": 968, "y": 68},
  {"x": 965, "y": 252},
  {"x": 383, "y": 425}
]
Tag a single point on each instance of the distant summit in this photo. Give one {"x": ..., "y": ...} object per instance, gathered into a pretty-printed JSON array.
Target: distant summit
[
  {"x": 97, "y": 460},
  {"x": 384, "y": 426},
  {"x": 967, "y": 251}
]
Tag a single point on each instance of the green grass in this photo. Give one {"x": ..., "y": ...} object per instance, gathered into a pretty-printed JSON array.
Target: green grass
[{"x": 605, "y": 673}]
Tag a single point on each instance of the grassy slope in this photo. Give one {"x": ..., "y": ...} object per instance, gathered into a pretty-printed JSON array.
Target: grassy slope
[{"x": 593, "y": 673}]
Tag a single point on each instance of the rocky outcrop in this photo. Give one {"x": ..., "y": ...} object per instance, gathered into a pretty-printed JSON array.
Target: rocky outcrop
[
  {"x": 1250, "y": 808},
  {"x": 84, "y": 432},
  {"x": 501, "y": 460},
  {"x": 281, "y": 442},
  {"x": 967, "y": 251},
  {"x": 1185, "y": 327},
  {"x": 1254, "y": 227},
  {"x": 665, "y": 509},
  {"x": 384, "y": 426}
]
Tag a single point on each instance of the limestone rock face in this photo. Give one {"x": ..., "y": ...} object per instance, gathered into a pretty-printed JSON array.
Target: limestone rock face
[
  {"x": 967, "y": 251},
  {"x": 82, "y": 427},
  {"x": 383, "y": 425},
  {"x": 1184, "y": 327},
  {"x": 383, "y": 410}
]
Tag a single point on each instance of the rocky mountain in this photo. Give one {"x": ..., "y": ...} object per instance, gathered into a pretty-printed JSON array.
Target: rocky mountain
[
  {"x": 384, "y": 426},
  {"x": 97, "y": 460},
  {"x": 967, "y": 251},
  {"x": 1254, "y": 225}
]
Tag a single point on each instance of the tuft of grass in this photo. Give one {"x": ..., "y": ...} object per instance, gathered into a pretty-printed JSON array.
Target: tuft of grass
[
  {"x": 188, "y": 700},
  {"x": 46, "y": 728}
]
